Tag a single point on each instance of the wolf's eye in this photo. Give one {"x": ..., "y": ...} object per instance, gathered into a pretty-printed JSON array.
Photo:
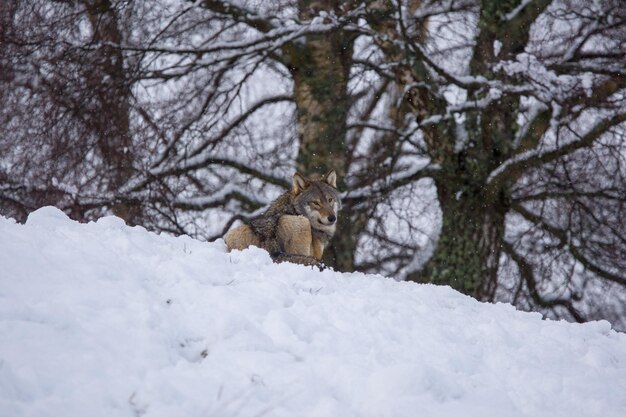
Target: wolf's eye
[
  {"x": 330, "y": 200},
  {"x": 316, "y": 204}
]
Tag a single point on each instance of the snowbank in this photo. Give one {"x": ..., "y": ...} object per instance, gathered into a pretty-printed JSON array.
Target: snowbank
[{"x": 101, "y": 319}]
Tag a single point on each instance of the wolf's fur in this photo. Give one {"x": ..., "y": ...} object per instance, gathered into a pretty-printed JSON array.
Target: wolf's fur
[{"x": 298, "y": 225}]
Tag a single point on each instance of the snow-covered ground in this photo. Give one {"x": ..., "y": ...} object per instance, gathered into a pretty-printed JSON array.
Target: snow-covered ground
[{"x": 102, "y": 319}]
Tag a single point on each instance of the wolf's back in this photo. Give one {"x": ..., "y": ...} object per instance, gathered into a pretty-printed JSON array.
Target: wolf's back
[{"x": 262, "y": 230}]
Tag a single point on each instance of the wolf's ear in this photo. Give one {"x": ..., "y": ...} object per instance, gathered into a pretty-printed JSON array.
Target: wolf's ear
[
  {"x": 331, "y": 178},
  {"x": 299, "y": 183}
]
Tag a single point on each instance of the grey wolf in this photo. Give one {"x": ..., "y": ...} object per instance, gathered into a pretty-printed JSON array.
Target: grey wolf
[{"x": 298, "y": 225}]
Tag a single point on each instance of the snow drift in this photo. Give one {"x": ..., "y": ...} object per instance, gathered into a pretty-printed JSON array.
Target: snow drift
[{"x": 102, "y": 319}]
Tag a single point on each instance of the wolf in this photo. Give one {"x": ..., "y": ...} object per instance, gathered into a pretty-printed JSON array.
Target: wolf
[{"x": 298, "y": 225}]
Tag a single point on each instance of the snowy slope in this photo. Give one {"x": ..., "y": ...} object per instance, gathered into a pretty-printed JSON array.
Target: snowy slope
[{"x": 101, "y": 319}]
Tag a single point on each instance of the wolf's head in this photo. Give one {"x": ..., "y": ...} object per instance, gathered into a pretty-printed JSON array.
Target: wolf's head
[{"x": 317, "y": 197}]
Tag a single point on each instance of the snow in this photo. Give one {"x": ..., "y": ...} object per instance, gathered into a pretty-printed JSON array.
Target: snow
[
  {"x": 497, "y": 47},
  {"x": 513, "y": 13},
  {"x": 102, "y": 319}
]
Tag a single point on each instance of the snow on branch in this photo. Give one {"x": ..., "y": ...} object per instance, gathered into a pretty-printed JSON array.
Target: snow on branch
[
  {"x": 219, "y": 199},
  {"x": 540, "y": 155},
  {"x": 240, "y": 14},
  {"x": 233, "y": 124},
  {"x": 516, "y": 11},
  {"x": 190, "y": 160},
  {"x": 270, "y": 40},
  {"x": 394, "y": 181}
]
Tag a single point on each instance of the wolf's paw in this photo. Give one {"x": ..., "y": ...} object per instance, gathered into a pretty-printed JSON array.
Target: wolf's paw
[{"x": 300, "y": 259}]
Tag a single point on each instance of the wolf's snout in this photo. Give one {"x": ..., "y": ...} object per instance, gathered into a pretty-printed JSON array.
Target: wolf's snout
[{"x": 332, "y": 218}]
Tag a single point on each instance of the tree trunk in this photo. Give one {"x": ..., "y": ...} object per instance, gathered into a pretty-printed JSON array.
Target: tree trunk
[
  {"x": 111, "y": 119},
  {"x": 321, "y": 67},
  {"x": 473, "y": 212},
  {"x": 469, "y": 246}
]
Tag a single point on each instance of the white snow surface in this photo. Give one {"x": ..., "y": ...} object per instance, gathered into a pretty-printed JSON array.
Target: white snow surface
[{"x": 102, "y": 319}]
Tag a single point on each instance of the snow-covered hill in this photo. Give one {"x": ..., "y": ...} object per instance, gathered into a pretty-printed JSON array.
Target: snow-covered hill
[{"x": 102, "y": 319}]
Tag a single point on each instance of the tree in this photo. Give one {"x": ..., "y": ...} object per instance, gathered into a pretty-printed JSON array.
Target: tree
[
  {"x": 480, "y": 143},
  {"x": 84, "y": 131}
]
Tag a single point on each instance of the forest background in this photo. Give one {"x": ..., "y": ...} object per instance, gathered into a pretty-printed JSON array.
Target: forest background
[{"x": 479, "y": 144}]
